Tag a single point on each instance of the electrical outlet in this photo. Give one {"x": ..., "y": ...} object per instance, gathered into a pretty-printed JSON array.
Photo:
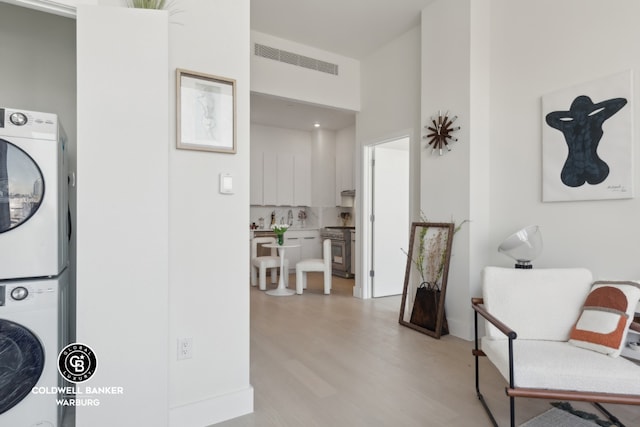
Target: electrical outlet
[{"x": 185, "y": 348}]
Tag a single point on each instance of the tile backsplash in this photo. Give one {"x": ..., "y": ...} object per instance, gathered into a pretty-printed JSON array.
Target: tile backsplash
[{"x": 315, "y": 217}]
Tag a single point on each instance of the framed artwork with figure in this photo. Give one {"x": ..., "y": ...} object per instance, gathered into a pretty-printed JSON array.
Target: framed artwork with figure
[
  {"x": 587, "y": 141},
  {"x": 206, "y": 112}
]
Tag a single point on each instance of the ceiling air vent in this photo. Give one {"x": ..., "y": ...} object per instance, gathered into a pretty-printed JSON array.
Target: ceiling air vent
[{"x": 295, "y": 59}]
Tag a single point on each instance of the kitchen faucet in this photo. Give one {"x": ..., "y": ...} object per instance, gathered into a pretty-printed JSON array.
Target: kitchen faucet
[{"x": 290, "y": 218}]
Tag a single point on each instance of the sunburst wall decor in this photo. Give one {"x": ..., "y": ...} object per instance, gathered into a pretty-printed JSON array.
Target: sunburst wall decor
[{"x": 440, "y": 130}]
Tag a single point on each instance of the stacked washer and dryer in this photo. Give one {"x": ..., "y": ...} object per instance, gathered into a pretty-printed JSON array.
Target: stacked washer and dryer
[{"x": 34, "y": 239}]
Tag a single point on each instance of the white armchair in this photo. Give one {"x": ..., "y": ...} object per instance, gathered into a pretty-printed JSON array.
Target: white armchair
[
  {"x": 539, "y": 324},
  {"x": 315, "y": 264},
  {"x": 260, "y": 264}
]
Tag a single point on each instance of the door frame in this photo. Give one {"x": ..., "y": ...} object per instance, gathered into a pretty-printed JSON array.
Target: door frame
[{"x": 365, "y": 238}]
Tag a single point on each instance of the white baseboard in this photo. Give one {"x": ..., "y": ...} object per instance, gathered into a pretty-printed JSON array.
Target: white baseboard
[
  {"x": 357, "y": 291},
  {"x": 460, "y": 329},
  {"x": 212, "y": 411}
]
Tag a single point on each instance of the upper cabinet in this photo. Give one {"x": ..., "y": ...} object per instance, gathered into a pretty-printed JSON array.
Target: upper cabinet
[
  {"x": 269, "y": 178},
  {"x": 58, "y": 7},
  {"x": 345, "y": 164},
  {"x": 256, "y": 196},
  {"x": 280, "y": 179},
  {"x": 302, "y": 180},
  {"x": 298, "y": 168},
  {"x": 323, "y": 168},
  {"x": 280, "y": 167},
  {"x": 284, "y": 180}
]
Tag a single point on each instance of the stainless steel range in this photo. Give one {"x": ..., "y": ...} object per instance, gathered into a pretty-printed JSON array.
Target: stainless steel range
[{"x": 340, "y": 249}]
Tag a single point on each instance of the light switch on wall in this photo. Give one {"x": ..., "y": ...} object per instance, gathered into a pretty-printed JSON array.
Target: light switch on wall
[{"x": 226, "y": 183}]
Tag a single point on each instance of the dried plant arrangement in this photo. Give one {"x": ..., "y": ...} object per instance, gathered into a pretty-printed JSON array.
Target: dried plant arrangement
[{"x": 426, "y": 276}]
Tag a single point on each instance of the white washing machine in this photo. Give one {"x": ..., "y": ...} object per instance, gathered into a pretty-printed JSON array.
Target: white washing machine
[
  {"x": 32, "y": 329},
  {"x": 34, "y": 223}
]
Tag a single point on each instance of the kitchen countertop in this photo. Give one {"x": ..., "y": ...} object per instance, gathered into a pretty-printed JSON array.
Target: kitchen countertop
[{"x": 290, "y": 229}]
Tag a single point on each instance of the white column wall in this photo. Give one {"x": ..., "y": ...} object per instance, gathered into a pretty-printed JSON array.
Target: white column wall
[
  {"x": 454, "y": 186},
  {"x": 122, "y": 212},
  {"x": 209, "y": 231},
  {"x": 207, "y": 254}
]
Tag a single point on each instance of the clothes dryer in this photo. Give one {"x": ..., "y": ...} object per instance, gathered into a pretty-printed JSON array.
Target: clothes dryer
[
  {"x": 34, "y": 225},
  {"x": 32, "y": 330}
]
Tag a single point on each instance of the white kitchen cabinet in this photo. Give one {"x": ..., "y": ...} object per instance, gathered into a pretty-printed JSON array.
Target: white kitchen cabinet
[
  {"x": 284, "y": 177},
  {"x": 310, "y": 246},
  {"x": 269, "y": 178},
  {"x": 292, "y": 254},
  {"x": 301, "y": 180},
  {"x": 256, "y": 196},
  {"x": 323, "y": 168},
  {"x": 345, "y": 164},
  {"x": 280, "y": 179},
  {"x": 263, "y": 183}
]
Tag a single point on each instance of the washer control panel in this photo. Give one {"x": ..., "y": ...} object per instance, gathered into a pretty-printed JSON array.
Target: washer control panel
[
  {"x": 28, "y": 124},
  {"x": 17, "y": 293},
  {"x": 27, "y": 295}
]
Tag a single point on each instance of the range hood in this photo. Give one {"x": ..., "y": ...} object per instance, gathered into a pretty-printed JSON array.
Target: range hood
[{"x": 348, "y": 193}]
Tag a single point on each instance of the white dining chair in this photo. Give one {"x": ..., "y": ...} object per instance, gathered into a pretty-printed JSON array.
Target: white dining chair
[
  {"x": 260, "y": 264},
  {"x": 315, "y": 264}
]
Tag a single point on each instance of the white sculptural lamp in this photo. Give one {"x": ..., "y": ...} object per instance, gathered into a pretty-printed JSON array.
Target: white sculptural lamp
[{"x": 524, "y": 246}]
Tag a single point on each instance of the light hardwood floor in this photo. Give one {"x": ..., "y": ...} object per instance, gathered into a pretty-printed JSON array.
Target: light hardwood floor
[{"x": 334, "y": 360}]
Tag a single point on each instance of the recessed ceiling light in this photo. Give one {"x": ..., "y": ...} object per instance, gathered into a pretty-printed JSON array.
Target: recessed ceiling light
[{"x": 317, "y": 125}]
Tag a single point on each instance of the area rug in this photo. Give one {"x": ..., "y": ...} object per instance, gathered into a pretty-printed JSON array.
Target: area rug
[{"x": 563, "y": 414}]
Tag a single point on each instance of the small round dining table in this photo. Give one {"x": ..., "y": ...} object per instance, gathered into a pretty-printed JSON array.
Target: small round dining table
[{"x": 281, "y": 290}]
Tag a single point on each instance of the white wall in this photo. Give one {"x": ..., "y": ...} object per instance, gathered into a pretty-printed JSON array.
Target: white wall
[
  {"x": 280, "y": 139},
  {"x": 31, "y": 39},
  {"x": 122, "y": 269},
  {"x": 390, "y": 109},
  {"x": 519, "y": 65},
  {"x": 208, "y": 231},
  {"x": 536, "y": 48},
  {"x": 289, "y": 81}
]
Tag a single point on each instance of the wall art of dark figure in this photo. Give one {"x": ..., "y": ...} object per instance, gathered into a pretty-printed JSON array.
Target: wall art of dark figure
[{"x": 582, "y": 130}]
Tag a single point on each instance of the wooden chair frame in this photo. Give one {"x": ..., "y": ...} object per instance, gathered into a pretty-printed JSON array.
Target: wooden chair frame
[{"x": 512, "y": 391}]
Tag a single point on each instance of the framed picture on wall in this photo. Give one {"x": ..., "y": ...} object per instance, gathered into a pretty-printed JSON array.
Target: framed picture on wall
[
  {"x": 206, "y": 112},
  {"x": 587, "y": 141}
]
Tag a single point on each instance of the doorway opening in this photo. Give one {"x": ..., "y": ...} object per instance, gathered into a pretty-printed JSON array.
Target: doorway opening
[{"x": 388, "y": 216}]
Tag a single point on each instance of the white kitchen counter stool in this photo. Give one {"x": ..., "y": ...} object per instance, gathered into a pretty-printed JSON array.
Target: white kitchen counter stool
[
  {"x": 260, "y": 264},
  {"x": 315, "y": 264}
]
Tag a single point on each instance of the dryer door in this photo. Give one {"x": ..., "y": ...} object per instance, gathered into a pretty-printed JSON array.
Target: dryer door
[
  {"x": 21, "y": 186},
  {"x": 21, "y": 363}
]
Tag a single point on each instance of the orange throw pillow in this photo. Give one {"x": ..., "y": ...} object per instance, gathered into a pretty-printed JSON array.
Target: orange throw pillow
[{"x": 605, "y": 318}]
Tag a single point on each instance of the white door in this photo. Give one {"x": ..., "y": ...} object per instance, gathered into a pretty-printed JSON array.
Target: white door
[{"x": 390, "y": 209}]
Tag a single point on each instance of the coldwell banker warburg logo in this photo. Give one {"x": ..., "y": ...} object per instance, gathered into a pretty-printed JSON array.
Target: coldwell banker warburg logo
[{"x": 77, "y": 363}]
